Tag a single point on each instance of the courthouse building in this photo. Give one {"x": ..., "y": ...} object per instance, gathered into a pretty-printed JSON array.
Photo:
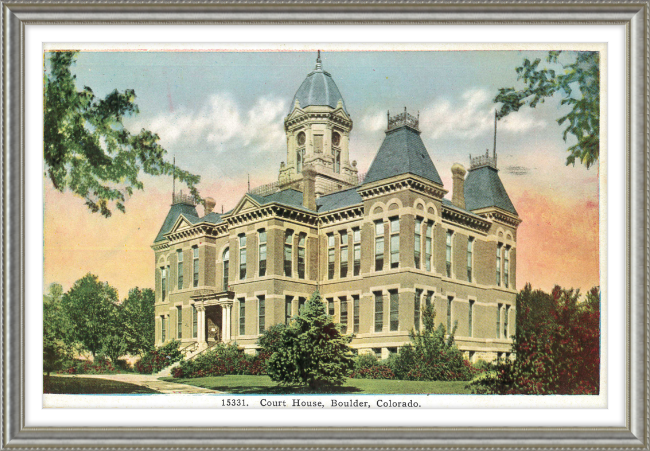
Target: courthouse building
[{"x": 378, "y": 248}]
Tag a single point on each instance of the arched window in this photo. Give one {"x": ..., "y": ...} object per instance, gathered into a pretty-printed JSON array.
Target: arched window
[
  {"x": 226, "y": 265},
  {"x": 337, "y": 161},
  {"x": 299, "y": 158}
]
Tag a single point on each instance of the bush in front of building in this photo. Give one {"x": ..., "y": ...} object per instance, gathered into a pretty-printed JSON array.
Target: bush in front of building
[
  {"x": 431, "y": 356},
  {"x": 100, "y": 365},
  {"x": 221, "y": 360},
  {"x": 159, "y": 358},
  {"x": 311, "y": 350},
  {"x": 557, "y": 345},
  {"x": 367, "y": 366}
]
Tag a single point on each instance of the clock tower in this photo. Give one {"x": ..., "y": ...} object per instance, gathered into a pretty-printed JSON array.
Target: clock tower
[{"x": 318, "y": 135}]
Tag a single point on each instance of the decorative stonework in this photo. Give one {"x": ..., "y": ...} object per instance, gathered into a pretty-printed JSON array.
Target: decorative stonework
[{"x": 403, "y": 120}]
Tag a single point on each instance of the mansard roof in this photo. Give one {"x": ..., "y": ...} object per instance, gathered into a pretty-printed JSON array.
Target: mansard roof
[
  {"x": 483, "y": 189},
  {"x": 289, "y": 197},
  {"x": 337, "y": 200},
  {"x": 402, "y": 152},
  {"x": 178, "y": 209}
]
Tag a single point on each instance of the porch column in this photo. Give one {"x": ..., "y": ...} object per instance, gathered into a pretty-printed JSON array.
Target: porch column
[
  {"x": 228, "y": 322},
  {"x": 201, "y": 325},
  {"x": 223, "y": 323}
]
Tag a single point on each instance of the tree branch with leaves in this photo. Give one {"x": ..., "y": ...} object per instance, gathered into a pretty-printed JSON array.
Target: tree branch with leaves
[
  {"x": 88, "y": 150},
  {"x": 579, "y": 85}
]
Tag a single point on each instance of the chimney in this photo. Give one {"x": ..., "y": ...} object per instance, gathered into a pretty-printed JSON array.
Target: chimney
[
  {"x": 458, "y": 177},
  {"x": 309, "y": 188},
  {"x": 208, "y": 204}
]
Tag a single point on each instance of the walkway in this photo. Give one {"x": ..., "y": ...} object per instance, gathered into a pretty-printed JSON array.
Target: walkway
[{"x": 149, "y": 381}]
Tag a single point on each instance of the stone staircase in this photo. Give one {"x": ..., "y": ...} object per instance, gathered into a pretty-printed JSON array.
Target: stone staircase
[{"x": 190, "y": 352}]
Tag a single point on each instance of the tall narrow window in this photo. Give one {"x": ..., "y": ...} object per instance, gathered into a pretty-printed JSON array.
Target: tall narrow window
[
  {"x": 499, "y": 246},
  {"x": 379, "y": 312},
  {"x": 301, "y": 304},
  {"x": 330, "y": 306},
  {"x": 261, "y": 313},
  {"x": 505, "y": 321},
  {"x": 416, "y": 309},
  {"x": 470, "y": 319},
  {"x": 195, "y": 321},
  {"x": 163, "y": 329},
  {"x": 288, "y": 301},
  {"x": 470, "y": 252},
  {"x": 356, "y": 237},
  {"x": 179, "y": 322},
  {"x": 506, "y": 266},
  {"x": 179, "y": 268},
  {"x": 417, "y": 243},
  {"x": 394, "y": 242},
  {"x": 427, "y": 299},
  {"x": 242, "y": 256},
  {"x": 331, "y": 251},
  {"x": 499, "y": 320},
  {"x": 226, "y": 268},
  {"x": 428, "y": 246},
  {"x": 379, "y": 246},
  {"x": 242, "y": 316},
  {"x": 394, "y": 310},
  {"x": 448, "y": 252},
  {"x": 337, "y": 161},
  {"x": 302, "y": 238},
  {"x": 300, "y": 155},
  {"x": 195, "y": 266},
  {"x": 356, "y": 313},
  {"x": 449, "y": 301},
  {"x": 344, "y": 254},
  {"x": 318, "y": 143},
  {"x": 169, "y": 276},
  {"x": 262, "y": 253},
  {"x": 163, "y": 283},
  {"x": 344, "y": 314},
  {"x": 288, "y": 253}
]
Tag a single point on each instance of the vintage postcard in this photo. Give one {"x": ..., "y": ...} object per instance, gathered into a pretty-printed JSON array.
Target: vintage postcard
[{"x": 322, "y": 226}]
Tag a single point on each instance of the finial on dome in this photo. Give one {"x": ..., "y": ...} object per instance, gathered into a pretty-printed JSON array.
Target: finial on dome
[{"x": 319, "y": 66}]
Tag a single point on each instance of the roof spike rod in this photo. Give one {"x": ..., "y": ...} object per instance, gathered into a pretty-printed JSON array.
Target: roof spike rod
[
  {"x": 174, "y": 179},
  {"x": 494, "y": 149},
  {"x": 318, "y": 62}
]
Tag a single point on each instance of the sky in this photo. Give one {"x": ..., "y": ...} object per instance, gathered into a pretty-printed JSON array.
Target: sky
[{"x": 221, "y": 115}]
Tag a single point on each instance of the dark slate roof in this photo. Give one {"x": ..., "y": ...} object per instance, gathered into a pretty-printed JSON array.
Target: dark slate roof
[
  {"x": 188, "y": 211},
  {"x": 318, "y": 89},
  {"x": 483, "y": 188},
  {"x": 212, "y": 218},
  {"x": 448, "y": 203},
  {"x": 289, "y": 197},
  {"x": 402, "y": 152},
  {"x": 339, "y": 199}
]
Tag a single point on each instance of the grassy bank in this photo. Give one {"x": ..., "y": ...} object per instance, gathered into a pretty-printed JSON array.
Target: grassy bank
[
  {"x": 264, "y": 385},
  {"x": 90, "y": 386}
]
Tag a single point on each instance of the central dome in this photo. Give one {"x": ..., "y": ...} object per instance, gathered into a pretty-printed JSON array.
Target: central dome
[{"x": 318, "y": 89}]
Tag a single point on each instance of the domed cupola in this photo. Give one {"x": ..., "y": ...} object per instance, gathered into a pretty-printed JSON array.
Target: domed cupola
[
  {"x": 318, "y": 89},
  {"x": 318, "y": 133}
]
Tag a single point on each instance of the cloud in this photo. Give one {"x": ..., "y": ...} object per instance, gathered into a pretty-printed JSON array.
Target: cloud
[
  {"x": 220, "y": 122},
  {"x": 471, "y": 116},
  {"x": 374, "y": 122}
]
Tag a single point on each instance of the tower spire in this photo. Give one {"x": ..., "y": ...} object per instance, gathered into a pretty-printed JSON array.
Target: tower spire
[
  {"x": 174, "y": 179},
  {"x": 319, "y": 66}
]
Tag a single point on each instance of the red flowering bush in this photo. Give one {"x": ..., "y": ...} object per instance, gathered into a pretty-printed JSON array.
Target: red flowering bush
[
  {"x": 221, "y": 360},
  {"x": 100, "y": 365},
  {"x": 557, "y": 346},
  {"x": 366, "y": 366},
  {"x": 159, "y": 358}
]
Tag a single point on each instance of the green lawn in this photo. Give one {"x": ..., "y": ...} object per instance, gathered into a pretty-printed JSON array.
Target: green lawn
[
  {"x": 246, "y": 385},
  {"x": 89, "y": 386}
]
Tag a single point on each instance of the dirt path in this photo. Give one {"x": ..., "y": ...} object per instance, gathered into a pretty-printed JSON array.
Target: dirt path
[{"x": 149, "y": 381}]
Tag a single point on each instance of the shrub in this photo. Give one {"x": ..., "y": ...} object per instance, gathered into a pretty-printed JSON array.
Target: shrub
[
  {"x": 311, "y": 350},
  {"x": 221, "y": 360},
  {"x": 366, "y": 366},
  {"x": 157, "y": 359},
  {"x": 557, "y": 345},
  {"x": 100, "y": 365},
  {"x": 431, "y": 356}
]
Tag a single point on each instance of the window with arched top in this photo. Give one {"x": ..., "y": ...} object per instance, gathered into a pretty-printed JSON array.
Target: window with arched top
[
  {"x": 337, "y": 161},
  {"x": 226, "y": 267},
  {"x": 300, "y": 154}
]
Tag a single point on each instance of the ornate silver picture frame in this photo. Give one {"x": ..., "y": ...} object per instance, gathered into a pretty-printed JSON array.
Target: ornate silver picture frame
[{"x": 17, "y": 16}]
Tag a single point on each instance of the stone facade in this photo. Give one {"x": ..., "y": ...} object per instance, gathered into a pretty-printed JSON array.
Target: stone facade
[{"x": 378, "y": 250}]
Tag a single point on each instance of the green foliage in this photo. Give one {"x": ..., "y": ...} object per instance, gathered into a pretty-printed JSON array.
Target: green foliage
[
  {"x": 138, "y": 323},
  {"x": 311, "y": 350},
  {"x": 367, "y": 366},
  {"x": 431, "y": 356},
  {"x": 92, "y": 309},
  {"x": 58, "y": 342},
  {"x": 221, "y": 360},
  {"x": 88, "y": 150},
  {"x": 579, "y": 85},
  {"x": 157, "y": 359},
  {"x": 557, "y": 346}
]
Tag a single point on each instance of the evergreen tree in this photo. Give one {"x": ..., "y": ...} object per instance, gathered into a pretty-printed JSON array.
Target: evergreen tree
[{"x": 311, "y": 350}]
